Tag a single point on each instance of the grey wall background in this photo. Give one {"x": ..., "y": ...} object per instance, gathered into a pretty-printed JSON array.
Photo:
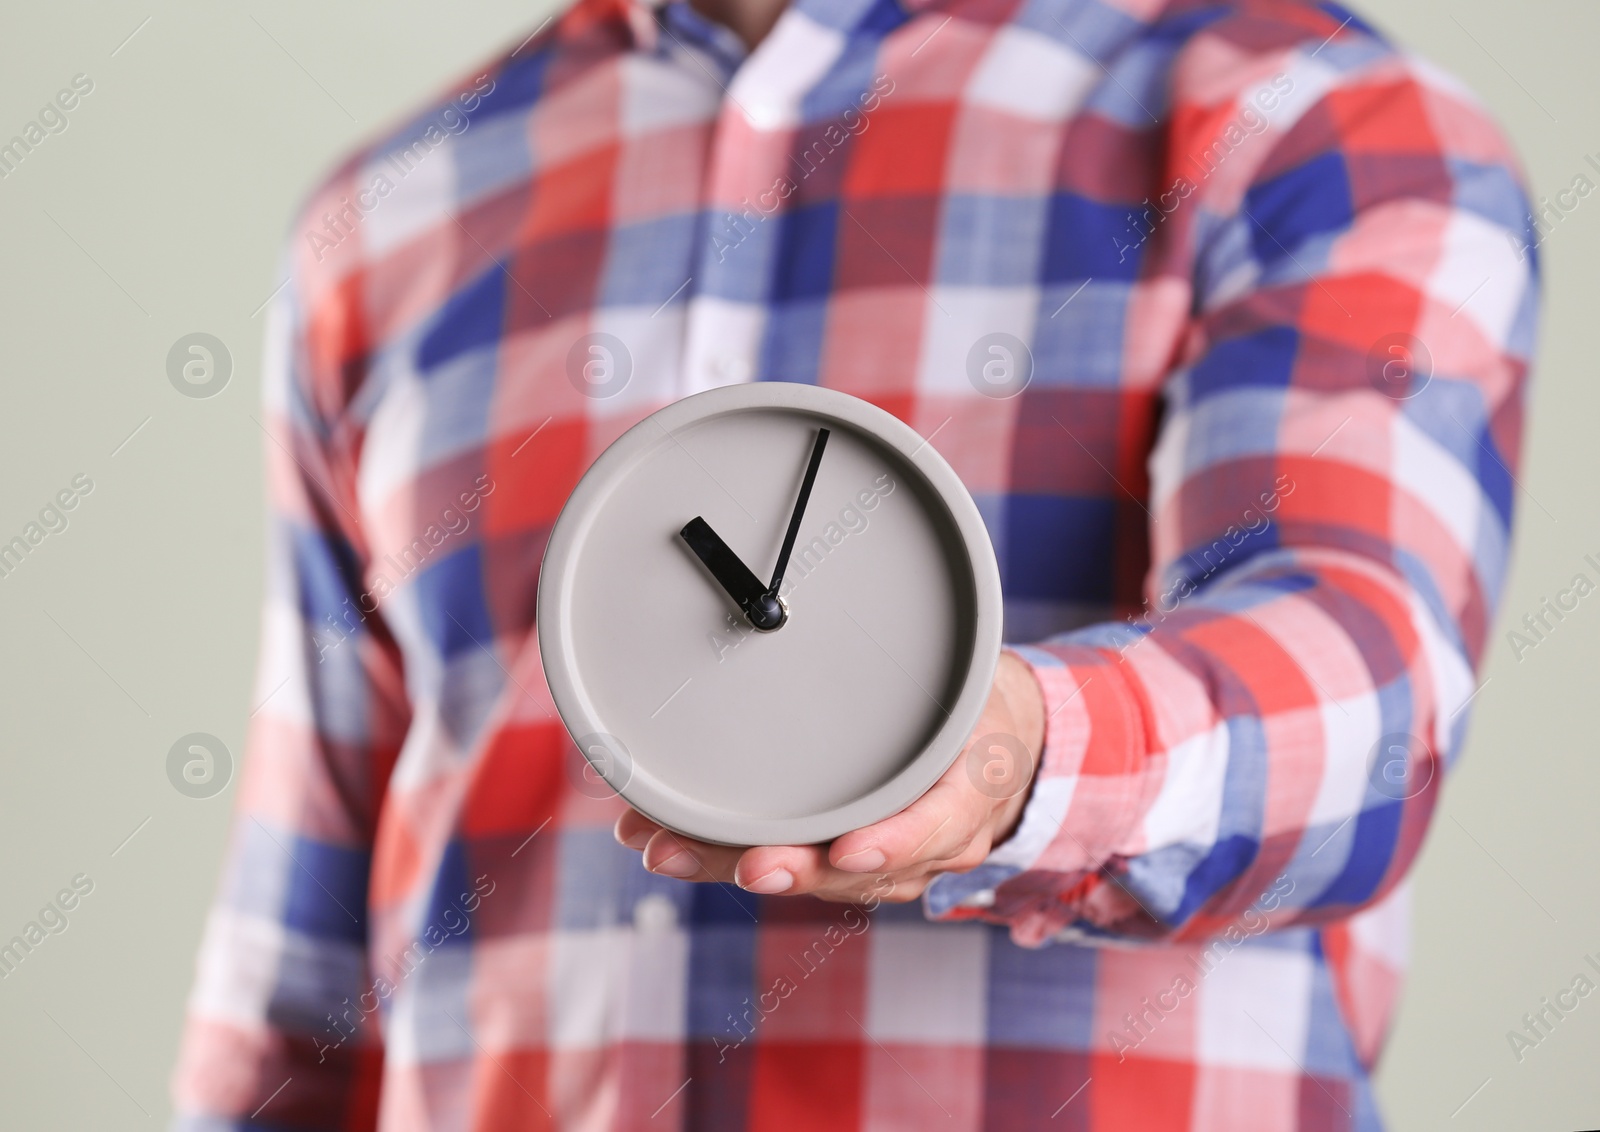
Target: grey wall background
[{"x": 159, "y": 212}]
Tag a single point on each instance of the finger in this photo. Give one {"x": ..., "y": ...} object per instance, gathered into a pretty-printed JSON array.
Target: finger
[
  {"x": 633, "y": 830},
  {"x": 674, "y": 855},
  {"x": 939, "y": 825},
  {"x": 766, "y": 870},
  {"x": 871, "y": 889},
  {"x": 792, "y": 870}
]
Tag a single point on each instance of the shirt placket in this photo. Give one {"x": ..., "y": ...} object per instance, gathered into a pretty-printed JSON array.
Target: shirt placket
[{"x": 737, "y": 246}]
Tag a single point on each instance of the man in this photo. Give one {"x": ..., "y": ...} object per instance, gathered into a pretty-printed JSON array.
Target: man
[{"x": 1220, "y": 313}]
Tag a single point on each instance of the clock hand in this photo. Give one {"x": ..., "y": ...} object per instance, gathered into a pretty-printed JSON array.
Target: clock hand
[
  {"x": 762, "y": 608},
  {"x": 799, "y": 511}
]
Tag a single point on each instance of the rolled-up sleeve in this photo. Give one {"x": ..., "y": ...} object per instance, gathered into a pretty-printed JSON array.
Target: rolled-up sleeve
[{"x": 1331, "y": 501}]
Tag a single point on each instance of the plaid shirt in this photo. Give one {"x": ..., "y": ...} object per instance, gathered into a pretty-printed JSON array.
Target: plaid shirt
[{"x": 1264, "y": 280}]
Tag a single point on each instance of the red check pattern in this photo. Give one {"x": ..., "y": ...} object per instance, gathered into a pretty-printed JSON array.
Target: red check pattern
[{"x": 1221, "y": 311}]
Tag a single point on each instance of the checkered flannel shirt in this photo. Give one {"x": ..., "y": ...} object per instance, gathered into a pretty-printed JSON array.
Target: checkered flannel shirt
[{"x": 1222, "y": 312}]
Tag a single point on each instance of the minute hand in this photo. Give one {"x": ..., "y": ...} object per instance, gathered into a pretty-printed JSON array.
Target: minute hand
[{"x": 799, "y": 511}]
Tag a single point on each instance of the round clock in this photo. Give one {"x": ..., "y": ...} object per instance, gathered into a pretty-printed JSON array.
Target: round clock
[{"x": 769, "y": 614}]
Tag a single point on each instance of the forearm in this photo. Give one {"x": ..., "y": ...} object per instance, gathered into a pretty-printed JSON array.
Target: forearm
[
  {"x": 1019, "y": 688},
  {"x": 1227, "y": 756}
]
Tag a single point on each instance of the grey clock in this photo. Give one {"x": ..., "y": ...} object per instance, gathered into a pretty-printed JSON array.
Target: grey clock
[{"x": 769, "y": 614}]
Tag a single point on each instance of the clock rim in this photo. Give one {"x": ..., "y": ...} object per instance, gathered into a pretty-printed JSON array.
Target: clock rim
[{"x": 671, "y": 808}]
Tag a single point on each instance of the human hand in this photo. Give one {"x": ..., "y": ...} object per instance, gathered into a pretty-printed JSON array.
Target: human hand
[{"x": 975, "y": 805}]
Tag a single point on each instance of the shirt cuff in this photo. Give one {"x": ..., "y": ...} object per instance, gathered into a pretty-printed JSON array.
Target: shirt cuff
[{"x": 1089, "y": 791}]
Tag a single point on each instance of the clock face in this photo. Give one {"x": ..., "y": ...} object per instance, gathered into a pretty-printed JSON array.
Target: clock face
[{"x": 736, "y": 714}]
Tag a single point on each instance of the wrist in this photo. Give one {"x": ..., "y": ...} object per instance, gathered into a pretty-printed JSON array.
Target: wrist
[{"x": 1024, "y": 700}]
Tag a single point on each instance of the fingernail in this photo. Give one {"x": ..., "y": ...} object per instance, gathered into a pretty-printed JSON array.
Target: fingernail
[
  {"x": 778, "y": 880},
  {"x": 637, "y": 841},
  {"x": 862, "y": 861},
  {"x": 680, "y": 865}
]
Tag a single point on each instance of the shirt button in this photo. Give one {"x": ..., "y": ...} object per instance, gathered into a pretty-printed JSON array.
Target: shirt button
[
  {"x": 730, "y": 369},
  {"x": 655, "y": 912}
]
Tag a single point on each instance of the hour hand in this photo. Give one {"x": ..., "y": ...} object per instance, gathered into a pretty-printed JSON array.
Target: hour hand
[{"x": 762, "y": 607}]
